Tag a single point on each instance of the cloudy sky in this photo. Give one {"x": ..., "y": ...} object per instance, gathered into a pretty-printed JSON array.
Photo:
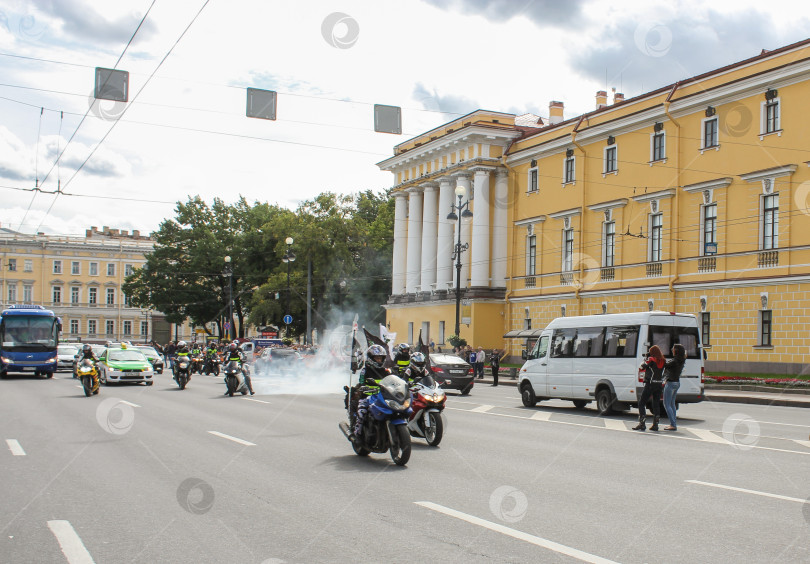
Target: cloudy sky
[{"x": 184, "y": 130}]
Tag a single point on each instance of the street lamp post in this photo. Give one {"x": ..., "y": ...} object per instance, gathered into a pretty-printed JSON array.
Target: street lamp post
[
  {"x": 464, "y": 213},
  {"x": 289, "y": 257},
  {"x": 229, "y": 274}
]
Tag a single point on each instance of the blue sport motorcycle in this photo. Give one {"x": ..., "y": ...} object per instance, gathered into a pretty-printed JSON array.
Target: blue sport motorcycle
[{"x": 385, "y": 427}]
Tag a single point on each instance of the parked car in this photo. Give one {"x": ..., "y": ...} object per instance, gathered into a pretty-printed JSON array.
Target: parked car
[
  {"x": 277, "y": 360},
  {"x": 124, "y": 364},
  {"x": 452, "y": 372},
  {"x": 64, "y": 354},
  {"x": 97, "y": 350},
  {"x": 153, "y": 357}
]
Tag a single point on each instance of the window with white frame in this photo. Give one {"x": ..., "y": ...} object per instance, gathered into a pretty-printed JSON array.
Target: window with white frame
[
  {"x": 74, "y": 294},
  {"x": 569, "y": 170},
  {"x": 533, "y": 179},
  {"x": 93, "y": 269},
  {"x": 531, "y": 255},
  {"x": 57, "y": 267},
  {"x": 12, "y": 265},
  {"x": 608, "y": 243},
  {"x": 658, "y": 146},
  {"x": 57, "y": 294},
  {"x": 127, "y": 327},
  {"x": 709, "y": 134},
  {"x": 128, "y": 270},
  {"x": 770, "y": 121},
  {"x": 92, "y": 325},
  {"x": 74, "y": 326},
  {"x": 110, "y": 269},
  {"x": 770, "y": 222},
  {"x": 765, "y": 328},
  {"x": 12, "y": 291},
  {"x": 656, "y": 233},
  {"x": 28, "y": 293},
  {"x": 610, "y": 161},
  {"x": 145, "y": 328},
  {"x": 568, "y": 250},
  {"x": 110, "y": 328},
  {"x": 709, "y": 221},
  {"x": 92, "y": 296},
  {"x": 75, "y": 267},
  {"x": 110, "y": 296},
  {"x": 29, "y": 265},
  {"x": 127, "y": 301}
]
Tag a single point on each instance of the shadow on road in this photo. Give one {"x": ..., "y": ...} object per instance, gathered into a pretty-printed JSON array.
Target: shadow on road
[{"x": 374, "y": 463}]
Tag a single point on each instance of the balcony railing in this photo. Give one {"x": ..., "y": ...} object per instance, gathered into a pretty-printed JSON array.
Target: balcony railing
[
  {"x": 653, "y": 269},
  {"x": 707, "y": 264},
  {"x": 566, "y": 278},
  {"x": 607, "y": 274},
  {"x": 530, "y": 282},
  {"x": 768, "y": 258}
]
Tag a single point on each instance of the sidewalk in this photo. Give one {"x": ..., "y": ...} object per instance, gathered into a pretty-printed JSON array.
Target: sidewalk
[{"x": 714, "y": 392}]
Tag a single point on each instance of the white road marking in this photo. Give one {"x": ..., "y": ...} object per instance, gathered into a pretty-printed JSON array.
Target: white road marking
[
  {"x": 15, "y": 447},
  {"x": 230, "y": 438},
  {"x": 803, "y": 443},
  {"x": 753, "y": 492},
  {"x": 541, "y": 415},
  {"x": 708, "y": 436},
  {"x": 259, "y": 401},
  {"x": 615, "y": 424},
  {"x": 514, "y": 533},
  {"x": 129, "y": 403},
  {"x": 482, "y": 408},
  {"x": 70, "y": 543}
]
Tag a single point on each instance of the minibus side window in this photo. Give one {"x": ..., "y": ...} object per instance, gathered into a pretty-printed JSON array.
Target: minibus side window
[
  {"x": 588, "y": 342},
  {"x": 621, "y": 341},
  {"x": 563, "y": 343},
  {"x": 541, "y": 348}
]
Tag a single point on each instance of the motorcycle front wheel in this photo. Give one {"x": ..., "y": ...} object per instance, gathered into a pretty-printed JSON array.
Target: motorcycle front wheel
[
  {"x": 181, "y": 381},
  {"x": 401, "y": 451},
  {"x": 87, "y": 385},
  {"x": 433, "y": 434}
]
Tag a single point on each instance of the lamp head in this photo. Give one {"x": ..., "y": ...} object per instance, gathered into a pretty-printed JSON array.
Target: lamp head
[
  {"x": 467, "y": 214},
  {"x": 228, "y": 259},
  {"x": 452, "y": 216},
  {"x": 289, "y": 240},
  {"x": 460, "y": 191}
]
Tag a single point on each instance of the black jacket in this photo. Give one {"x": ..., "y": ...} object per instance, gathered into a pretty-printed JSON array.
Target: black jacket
[
  {"x": 673, "y": 369},
  {"x": 653, "y": 376}
]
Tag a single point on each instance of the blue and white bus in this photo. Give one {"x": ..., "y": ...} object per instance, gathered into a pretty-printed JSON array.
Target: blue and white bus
[{"x": 28, "y": 338}]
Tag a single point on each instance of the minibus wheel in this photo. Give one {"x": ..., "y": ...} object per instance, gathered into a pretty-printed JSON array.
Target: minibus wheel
[
  {"x": 527, "y": 395},
  {"x": 604, "y": 402}
]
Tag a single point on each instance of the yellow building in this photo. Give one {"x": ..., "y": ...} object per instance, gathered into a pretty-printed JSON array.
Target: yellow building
[
  {"x": 691, "y": 198},
  {"x": 80, "y": 279}
]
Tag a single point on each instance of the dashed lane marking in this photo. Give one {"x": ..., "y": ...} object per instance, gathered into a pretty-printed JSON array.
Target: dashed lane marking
[
  {"x": 743, "y": 490},
  {"x": 482, "y": 408},
  {"x": 541, "y": 416},
  {"x": 230, "y": 438},
  {"x": 514, "y": 533},
  {"x": 72, "y": 546},
  {"x": 257, "y": 401},
  {"x": 803, "y": 443},
  {"x": 14, "y": 447},
  {"x": 615, "y": 424},
  {"x": 708, "y": 436}
]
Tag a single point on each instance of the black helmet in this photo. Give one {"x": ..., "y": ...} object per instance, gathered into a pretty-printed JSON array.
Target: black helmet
[
  {"x": 418, "y": 361},
  {"x": 404, "y": 347},
  {"x": 232, "y": 347},
  {"x": 86, "y": 348},
  {"x": 376, "y": 356}
]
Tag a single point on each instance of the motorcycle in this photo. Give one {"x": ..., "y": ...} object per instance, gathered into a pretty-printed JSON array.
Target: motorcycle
[
  {"x": 182, "y": 371},
  {"x": 385, "y": 427},
  {"x": 89, "y": 376},
  {"x": 196, "y": 364},
  {"x": 211, "y": 365},
  {"x": 235, "y": 379},
  {"x": 428, "y": 404}
]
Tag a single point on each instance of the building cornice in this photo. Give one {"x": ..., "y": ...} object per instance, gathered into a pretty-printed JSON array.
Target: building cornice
[
  {"x": 775, "y": 172},
  {"x": 612, "y": 204},
  {"x": 530, "y": 220},
  {"x": 708, "y": 185},
  {"x": 565, "y": 213},
  {"x": 668, "y": 193}
]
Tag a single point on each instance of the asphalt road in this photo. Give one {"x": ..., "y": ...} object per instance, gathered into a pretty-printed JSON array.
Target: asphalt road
[{"x": 155, "y": 474}]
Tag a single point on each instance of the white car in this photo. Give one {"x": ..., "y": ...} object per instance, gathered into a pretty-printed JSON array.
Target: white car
[{"x": 64, "y": 355}]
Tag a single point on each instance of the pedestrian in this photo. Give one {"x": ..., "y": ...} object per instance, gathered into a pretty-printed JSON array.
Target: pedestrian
[
  {"x": 432, "y": 346},
  {"x": 168, "y": 352},
  {"x": 653, "y": 381},
  {"x": 672, "y": 381},
  {"x": 495, "y": 364},
  {"x": 480, "y": 357}
]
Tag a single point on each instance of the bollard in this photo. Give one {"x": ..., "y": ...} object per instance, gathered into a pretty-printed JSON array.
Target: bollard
[{"x": 513, "y": 373}]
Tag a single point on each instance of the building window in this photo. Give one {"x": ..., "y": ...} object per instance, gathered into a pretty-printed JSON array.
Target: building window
[
  {"x": 609, "y": 243},
  {"x": 28, "y": 293},
  {"x": 127, "y": 301},
  {"x": 610, "y": 164},
  {"x": 706, "y": 328},
  {"x": 441, "y": 332},
  {"x": 57, "y": 267},
  {"x": 110, "y": 269},
  {"x": 659, "y": 146},
  {"x": 770, "y": 221},
  {"x": 110, "y": 328},
  {"x": 92, "y": 296},
  {"x": 12, "y": 265},
  {"x": 568, "y": 250},
  {"x": 127, "y": 325},
  {"x": 145, "y": 329},
  {"x": 709, "y": 137},
  {"x": 12, "y": 292},
  {"x": 569, "y": 171},
  {"x": 656, "y": 228},
  {"x": 74, "y": 326},
  {"x": 128, "y": 270},
  {"x": 29, "y": 265},
  {"x": 533, "y": 180},
  {"x": 93, "y": 269},
  {"x": 709, "y": 226},
  {"x": 110, "y": 296},
  {"x": 770, "y": 116},
  {"x": 74, "y": 294},
  {"x": 75, "y": 267},
  {"x": 91, "y": 327},
  {"x": 766, "y": 328},
  {"x": 531, "y": 256},
  {"x": 57, "y": 294}
]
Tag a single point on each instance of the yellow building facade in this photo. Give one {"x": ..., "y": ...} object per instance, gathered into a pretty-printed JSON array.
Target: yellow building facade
[{"x": 691, "y": 198}]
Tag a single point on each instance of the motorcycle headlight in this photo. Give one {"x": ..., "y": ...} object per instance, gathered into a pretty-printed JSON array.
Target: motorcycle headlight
[
  {"x": 396, "y": 406},
  {"x": 184, "y": 365}
]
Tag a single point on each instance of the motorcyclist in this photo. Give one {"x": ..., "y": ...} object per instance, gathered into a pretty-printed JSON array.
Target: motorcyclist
[
  {"x": 403, "y": 357},
  {"x": 233, "y": 354},
  {"x": 181, "y": 353},
  {"x": 416, "y": 370},
  {"x": 370, "y": 375},
  {"x": 210, "y": 354},
  {"x": 87, "y": 353}
]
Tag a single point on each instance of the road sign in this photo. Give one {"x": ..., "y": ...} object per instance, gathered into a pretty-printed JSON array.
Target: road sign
[
  {"x": 710, "y": 248},
  {"x": 227, "y": 326},
  {"x": 288, "y": 319}
]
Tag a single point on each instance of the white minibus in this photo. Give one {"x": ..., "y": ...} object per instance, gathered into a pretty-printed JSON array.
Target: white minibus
[{"x": 597, "y": 358}]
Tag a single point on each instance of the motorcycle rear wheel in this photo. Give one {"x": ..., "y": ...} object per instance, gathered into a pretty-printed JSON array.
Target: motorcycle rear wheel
[
  {"x": 401, "y": 451},
  {"x": 433, "y": 434},
  {"x": 360, "y": 451}
]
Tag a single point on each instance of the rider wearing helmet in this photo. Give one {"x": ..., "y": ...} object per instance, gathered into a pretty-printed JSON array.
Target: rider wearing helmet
[
  {"x": 416, "y": 370},
  {"x": 180, "y": 353},
  {"x": 233, "y": 354},
  {"x": 403, "y": 357},
  {"x": 87, "y": 353},
  {"x": 370, "y": 375}
]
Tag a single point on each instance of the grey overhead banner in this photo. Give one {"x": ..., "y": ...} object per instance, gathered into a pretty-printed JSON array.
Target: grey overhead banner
[{"x": 522, "y": 333}]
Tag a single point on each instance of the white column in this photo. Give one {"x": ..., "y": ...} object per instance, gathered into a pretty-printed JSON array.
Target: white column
[
  {"x": 480, "y": 230},
  {"x": 414, "y": 268},
  {"x": 499, "y": 219},
  {"x": 429, "y": 233},
  {"x": 400, "y": 243},
  {"x": 444, "y": 262},
  {"x": 463, "y": 180}
]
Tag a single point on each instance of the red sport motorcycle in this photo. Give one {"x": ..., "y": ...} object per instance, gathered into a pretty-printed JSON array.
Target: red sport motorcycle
[{"x": 428, "y": 403}]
